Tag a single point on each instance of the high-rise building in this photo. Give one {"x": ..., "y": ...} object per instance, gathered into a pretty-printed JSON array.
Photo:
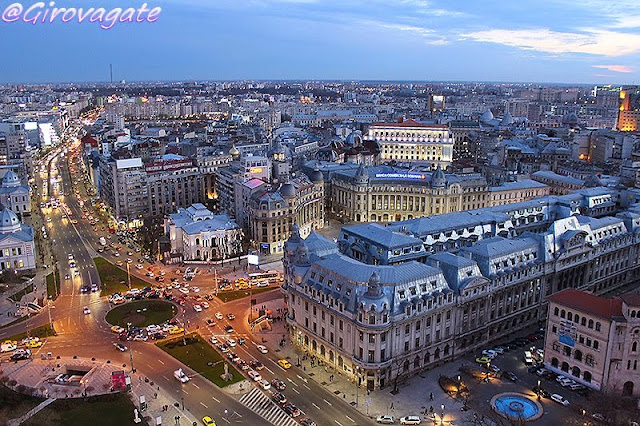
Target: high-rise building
[{"x": 629, "y": 114}]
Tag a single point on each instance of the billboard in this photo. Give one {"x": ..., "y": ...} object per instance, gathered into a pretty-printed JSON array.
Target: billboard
[
  {"x": 568, "y": 333},
  {"x": 252, "y": 259}
]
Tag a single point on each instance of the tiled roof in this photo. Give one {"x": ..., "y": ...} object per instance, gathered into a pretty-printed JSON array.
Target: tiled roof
[
  {"x": 631, "y": 299},
  {"x": 382, "y": 236},
  {"x": 588, "y": 303},
  {"x": 411, "y": 123}
]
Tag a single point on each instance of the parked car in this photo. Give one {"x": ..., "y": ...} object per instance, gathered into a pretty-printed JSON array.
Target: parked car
[
  {"x": 541, "y": 392},
  {"x": 262, "y": 349},
  {"x": 385, "y": 420},
  {"x": 511, "y": 376},
  {"x": 278, "y": 385},
  {"x": 264, "y": 384},
  {"x": 279, "y": 398},
  {"x": 559, "y": 399},
  {"x": 291, "y": 410},
  {"x": 410, "y": 420},
  {"x": 119, "y": 346}
]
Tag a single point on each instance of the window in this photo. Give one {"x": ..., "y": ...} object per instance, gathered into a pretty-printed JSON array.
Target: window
[{"x": 598, "y": 326}]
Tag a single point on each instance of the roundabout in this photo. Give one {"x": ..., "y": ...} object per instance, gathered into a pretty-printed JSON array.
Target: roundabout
[
  {"x": 515, "y": 406},
  {"x": 141, "y": 313}
]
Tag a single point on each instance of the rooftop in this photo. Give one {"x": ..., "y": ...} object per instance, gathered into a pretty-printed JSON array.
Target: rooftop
[{"x": 588, "y": 303}]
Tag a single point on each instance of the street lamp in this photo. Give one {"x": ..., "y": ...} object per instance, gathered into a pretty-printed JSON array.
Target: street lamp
[{"x": 442, "y": 414}]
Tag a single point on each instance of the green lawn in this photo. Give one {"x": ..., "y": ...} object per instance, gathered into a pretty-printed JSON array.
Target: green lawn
[
  {"x": 40, "y": 332},
  {"x": 228, "y": 296},
  {"x": 103, "y": 410},
  {"x": 115, "y": 279},
  {"x": 157, "y": 312},
  {"x": 17, "y": 296},
  {"x": 197, "y": 355},
  {"x": 53, "y": 285},
  {"x": 13, "y": 404}
]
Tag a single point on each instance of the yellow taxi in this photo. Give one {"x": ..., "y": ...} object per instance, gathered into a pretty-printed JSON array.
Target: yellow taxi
[
  {"x": 33, "y": 344},
  {"x": 284, "y": 364},
  {"x": 176, "y": 330},
  {"x": 208, "y": 421}
]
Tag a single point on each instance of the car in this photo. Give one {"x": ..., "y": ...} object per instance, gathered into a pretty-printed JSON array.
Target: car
[
  {"x": 564, "y": 381},
  {"x": 241, "y": 341},
  {"x": 559, "y": 399},
  {"x": 20, "y": 354},
  {"x": 410, "y": 420},
  {"x": 511, "y": 376},
  {"x": 94, "y": 287},
  {"x": 307, "y": 422},
  {"x": 129, "y": 260},
  {"x": 490, "y": 353},
  {"x": 599, "y": 417},
  {"x": 219, "y": 316},
  {"x": 86, "y": 310},
  {"x": 231, "y": 342},
  {"x": 33, "y": 343},
  {"x": 183, "y": 290},
  {"x": 195, "y": 289},
  {"x": 243, "y": 365},
  {"x": 483, "y": 360},
  {"x": 264, "y": 384},
  {"x": 279, "y": 385},
  {"x": 541, "y": 392},
  {"x": 119, "y": 263},
  {"x": 180, "y": 376},
  {"x": 500, "y": 350},
  {"x": 262, "y": 349},
  {"x": 279, "y": 398},
  {"x": 119, "y": 346},
  {"x": 210, "y": 322},
  {"x": 197, "y": 308},
  {"x": 228, "y": 329},
  {"x": 139, "y": 266},
  {"x": 205, "y": 305},
  {"x": 539, "y": 371},
  {"x": 291, "y": 410},
  {"x": 70, "y": 256},
  {"x": 284, "y": 364},
  {"x": 67, "y": 277},
  {"x": 254, "y": 375},
  {"x": 223, "y": 348},
  {"x": 494, "y": 368},
  {"x": 208, "y": 421},
  {"x": 256, "y": 365},
  {"x": 385, "y": 419},
  {"x": 575, "y": 386},
  {"x": 176, "y": 330},
  {"x": 213, "y": 340},
  {"x": 231, "y": 317}
]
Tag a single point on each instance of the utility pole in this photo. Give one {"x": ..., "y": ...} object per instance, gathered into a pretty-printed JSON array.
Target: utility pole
[
  {"x": 129, "y": 275},
  {"x": 184, "y": 326},
  {"x": 215, "y": 279},
  {"x": 133, "y": 370}
]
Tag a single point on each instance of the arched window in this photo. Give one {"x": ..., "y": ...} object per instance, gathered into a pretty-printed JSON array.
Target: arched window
[
  {"x": 427, "y": 357},
  {"x": 565, "y": 367},
  {"x": 555, "y": 311},
  {"x": 583, "y": 322},
  {"x": 578, "y": 355},
  {"x": 554, "y": 362},
  {"x": 633, "y": 314},
  {"x": 436, "y": 354},
  {"x": 590, "y": 323},
  {"x": 416, "y": 362},
  {"x": 598, "y": 326},
  {"x": 634, "y": 347},
  {"x": 446, "y": 350},
  {"x": 576, "y": 318},
  {"x": 586, "y": 376},
  {"x": 562, "y": 313},
  {"x": 596, "y": 344},
  {"x": 575, "y": 371},
  {"x": 570, "y": 316},
  {"x": 406, "y": 366}
]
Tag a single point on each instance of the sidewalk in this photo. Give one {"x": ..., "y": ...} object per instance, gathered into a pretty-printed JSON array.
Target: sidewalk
[
  {"x": 8, "y": 307},
  {"x": 414, "y": 397},
  {"x": 156, "y": 398}
]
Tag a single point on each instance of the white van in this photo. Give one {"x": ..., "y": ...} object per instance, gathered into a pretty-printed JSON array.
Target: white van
[{"x": 528, "y": 358}]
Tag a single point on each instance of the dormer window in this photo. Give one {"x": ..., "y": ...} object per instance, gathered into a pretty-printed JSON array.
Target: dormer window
[
  {"x": 413, "y": 291},
  {"x": 401, "y": 294}
]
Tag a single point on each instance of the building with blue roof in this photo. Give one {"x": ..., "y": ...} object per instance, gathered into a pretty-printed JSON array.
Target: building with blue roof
[{"x": 17, "y": 248}]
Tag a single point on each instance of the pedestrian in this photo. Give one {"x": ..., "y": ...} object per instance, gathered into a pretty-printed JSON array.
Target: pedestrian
[
  {"x": 431, "y": 409},
  {"x": 431, "y": 396}
]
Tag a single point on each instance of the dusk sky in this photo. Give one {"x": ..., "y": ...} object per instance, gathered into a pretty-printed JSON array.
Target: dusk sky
[{"x": 586, "y": 41}]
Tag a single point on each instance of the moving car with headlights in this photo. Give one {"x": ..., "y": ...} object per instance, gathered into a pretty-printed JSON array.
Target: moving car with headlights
[{"x": 179, "y": 374}]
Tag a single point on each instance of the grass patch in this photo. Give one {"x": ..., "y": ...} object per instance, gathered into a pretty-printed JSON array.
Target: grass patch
[
  {"x": 17, "y": 296},
  {"x": 14, "y": 404},
  {"x": 103, "y": 410},
  {"x": 53, "y": 286},
  {"x": 228, "y": 296},
  {"x": 40, "y": 332},
  {"x": 157, "y": 312},
  {"x": 200, "y": 357},
  {"x": 115, "y": 279}
]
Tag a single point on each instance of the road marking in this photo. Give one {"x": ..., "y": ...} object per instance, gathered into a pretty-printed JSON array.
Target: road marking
[
  {"x": 304, "y": 380},
  {"x": 161, "y": 362},
  {"x": 292, "y": 382},
  {"x": 226, "y": 420},
  {"x": 268, "y": 369},
  {"x": 314, "y": 404},
  {"x": 295, "y": 390},
  {"x": 308, "y": 388},
  {"x": 350, "y": 418},
  {"x": 215, "y": 399},
  {"x": 340, "y": 424},
  {"x": 327, "y": 402},
  {"x": 203, "y": 404},
  {"x": 198, "y": 387}
]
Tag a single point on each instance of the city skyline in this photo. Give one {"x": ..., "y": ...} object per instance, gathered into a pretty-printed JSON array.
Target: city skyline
[{"x": 327, "y": 40}]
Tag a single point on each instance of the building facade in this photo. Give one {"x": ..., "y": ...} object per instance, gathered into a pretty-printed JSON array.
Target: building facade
[
  {"x": 382, "y": 323},
  {"x": 14, "y": 195},
  {"x": 198, "y": 235},
  {"x": 595, "y": 340},
  {"x": 17, "y": 249},
  {"x": 410, "y": 140}
]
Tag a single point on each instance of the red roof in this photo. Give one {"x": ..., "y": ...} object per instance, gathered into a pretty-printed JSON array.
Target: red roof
[
  {"x": 410, "y": 123},
  {"x": 631, "y": 299},
  {"x": 87, "y": 139},
  {"x": 586, "y": 302}
]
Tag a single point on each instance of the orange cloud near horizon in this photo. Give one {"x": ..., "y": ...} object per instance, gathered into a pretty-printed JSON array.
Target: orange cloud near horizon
[{"x": 616, "y": 68}]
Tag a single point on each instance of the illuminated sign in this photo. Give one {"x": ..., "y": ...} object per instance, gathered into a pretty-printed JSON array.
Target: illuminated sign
[
  {"x": 400, "y": 176},
  {"x": 567, "y": 333},
  {"x": 255, "y": 170}
]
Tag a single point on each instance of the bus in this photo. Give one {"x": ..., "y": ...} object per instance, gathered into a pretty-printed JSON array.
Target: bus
[{"x": 263, "y": 279}]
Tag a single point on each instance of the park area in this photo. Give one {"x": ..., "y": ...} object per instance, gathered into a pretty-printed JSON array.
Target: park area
[
  {"x": 199, "y": 356},
  {"x": 114, "y": 279},
  {"x": 141, "y": 313}
]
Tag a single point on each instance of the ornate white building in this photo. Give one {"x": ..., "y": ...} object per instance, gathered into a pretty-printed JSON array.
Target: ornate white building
[
  {"x": 198, "y": 234},
  {"x": 17, "y": 250},
  {"x": 14, "y": 195}
]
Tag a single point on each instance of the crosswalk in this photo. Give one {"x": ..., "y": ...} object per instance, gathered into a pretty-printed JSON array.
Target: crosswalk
[{"x": 258, "y": 402}]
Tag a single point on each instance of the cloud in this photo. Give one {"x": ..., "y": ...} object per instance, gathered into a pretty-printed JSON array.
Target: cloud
[
  {"x": 590, "y": 41},
  {"x": 615, "y": 68},
  {"x": 431, "y": 37}
]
